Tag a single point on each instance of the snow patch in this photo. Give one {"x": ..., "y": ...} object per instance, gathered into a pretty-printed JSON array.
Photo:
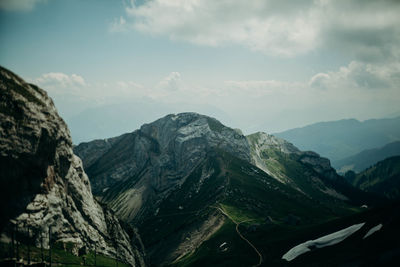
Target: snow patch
[
  {"x": 373, "y": 230},
  {"x": 324, "y": 241}
]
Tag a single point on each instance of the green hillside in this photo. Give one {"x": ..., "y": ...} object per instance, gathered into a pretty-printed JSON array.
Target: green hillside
[
  {"x": 242, "y": 196},
  {"x": 383, "y": 178},
  {"x": 274, "y": 240}
]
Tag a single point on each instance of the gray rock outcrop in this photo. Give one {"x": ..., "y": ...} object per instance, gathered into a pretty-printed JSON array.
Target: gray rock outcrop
[
  {"x": 43, "y": 183},
  {"x": 261, "y": 143}
]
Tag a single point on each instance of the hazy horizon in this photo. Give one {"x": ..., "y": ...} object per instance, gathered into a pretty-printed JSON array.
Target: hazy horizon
[{"x": 258, "y": 66}]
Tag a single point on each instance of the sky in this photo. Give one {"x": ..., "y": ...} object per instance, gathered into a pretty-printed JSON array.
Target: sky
[{"x": 260, "y": 65}]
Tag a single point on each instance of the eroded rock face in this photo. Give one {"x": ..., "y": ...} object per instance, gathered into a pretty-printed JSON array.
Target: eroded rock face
[
  {"x": 262, "y": 143},
  {"x": 43, "y": 183},
  {"x": 140, "y": 168},
  {"x": 286, "y": 163},
  {"x": 318, "y": 163}
]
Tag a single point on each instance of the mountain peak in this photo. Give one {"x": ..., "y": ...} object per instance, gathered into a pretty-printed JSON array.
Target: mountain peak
[
  {"x": 205, "y": 131},
  {"x": 162, "y": 154},
  {"x": 181, "y": 120}
]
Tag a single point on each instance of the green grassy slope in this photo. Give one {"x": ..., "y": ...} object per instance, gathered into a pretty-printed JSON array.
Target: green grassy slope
[
  {"x": 250, "y": 197},
  {"x": 383, "y": 178},
  {"x": 274, "y": 240},
  {"x": 59, "y": 256},
  {"x": 318, "y": 179}
]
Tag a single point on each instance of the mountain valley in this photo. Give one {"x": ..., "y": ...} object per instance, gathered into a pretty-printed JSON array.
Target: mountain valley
[{"x": 184, "y": 190}]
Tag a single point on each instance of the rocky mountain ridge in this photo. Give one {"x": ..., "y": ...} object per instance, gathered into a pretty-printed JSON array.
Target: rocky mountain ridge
[
  {"x": 183, "y": 164},
  {"x": 212, "y": 133},
  {"x": 43, "y": 183},
  {"x": 146, "y": 165},
  {"x": 261, "y": 143},
  {"x": 156, "y": 158}
]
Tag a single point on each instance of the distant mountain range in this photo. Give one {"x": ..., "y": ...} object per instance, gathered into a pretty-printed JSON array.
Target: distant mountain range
[
  {"x": 341, "y": 139},
  {"x": 367, "y": 158}
]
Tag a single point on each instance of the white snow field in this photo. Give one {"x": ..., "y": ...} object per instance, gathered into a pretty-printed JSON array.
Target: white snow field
[
  {"x": 324, "y": 241},
  {"x": 373, "y": 230}
]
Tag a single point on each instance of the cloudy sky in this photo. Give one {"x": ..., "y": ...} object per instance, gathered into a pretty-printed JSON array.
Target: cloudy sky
[{"x": 258, "y": 65}]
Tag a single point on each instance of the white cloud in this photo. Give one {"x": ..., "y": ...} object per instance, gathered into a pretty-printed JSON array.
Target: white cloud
[
  {"x": 215, "y": 23},
  {"x": 262, "y": 88},
  {"x": 360, "y": 90},
  {"x": 172, "y": 82},
  {"x": 360, "y": 75},
  {"x": 59, "y": 80},
  {"x": 61, "y": 84},
  {"x": 319, "y": 80},
  {"x": 19, "y": 5},
  {"x": 366, "y": 29},
  {"x": 72, "y": 93}
]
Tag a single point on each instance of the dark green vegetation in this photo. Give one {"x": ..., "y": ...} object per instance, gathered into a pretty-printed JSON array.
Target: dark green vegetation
[
  {"x": 367, "y": 158},
  {"x": 260, "y": 203},
  {"x": 383, "y": 178},
  {"x": 340, "y": 139},
  {"x": 59, "y": 256},
  {"x": 187, "y": 180},
  {"x": 273, "y": 240}
]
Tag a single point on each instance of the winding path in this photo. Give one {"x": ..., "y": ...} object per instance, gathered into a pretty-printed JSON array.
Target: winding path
[{"x": 260, "y": 260}]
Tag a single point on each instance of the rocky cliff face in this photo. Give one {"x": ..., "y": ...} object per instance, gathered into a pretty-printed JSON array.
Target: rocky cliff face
[
  {"x": 261, "y": 144},
  {"x": 264, "y": 145},
  {"x": 137, "y": 170},
  {"x": 305, "y": 171},
  {"x": 43, "y": 183}
]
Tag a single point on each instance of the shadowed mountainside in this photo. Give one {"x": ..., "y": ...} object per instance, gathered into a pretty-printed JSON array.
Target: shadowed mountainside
[{"x": 174, "y": 177}]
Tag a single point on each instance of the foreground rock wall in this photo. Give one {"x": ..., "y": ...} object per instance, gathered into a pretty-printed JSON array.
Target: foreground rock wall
[{"x": 43, "y": 183}]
